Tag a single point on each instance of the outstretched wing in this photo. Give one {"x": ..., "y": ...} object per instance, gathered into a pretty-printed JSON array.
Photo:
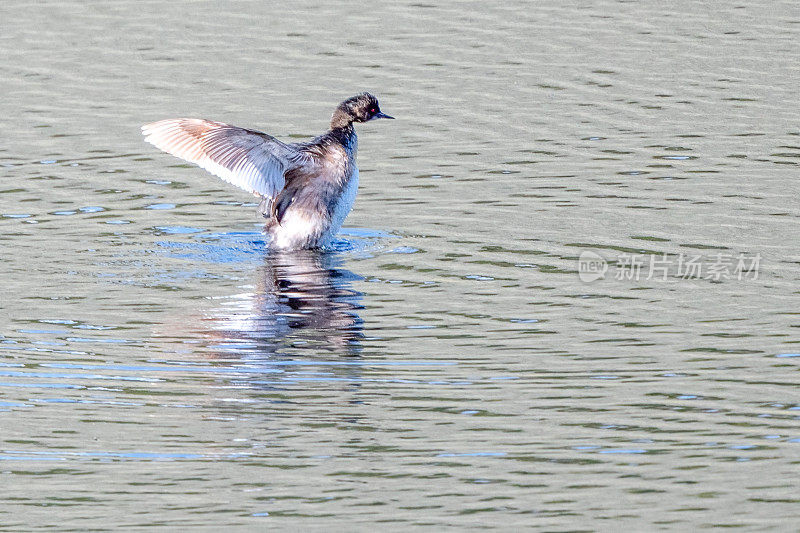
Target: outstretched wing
[{"x": 249, "y": 159}]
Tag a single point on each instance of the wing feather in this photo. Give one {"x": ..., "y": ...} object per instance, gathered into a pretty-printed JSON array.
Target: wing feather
[{"x": 249, "y": 159}]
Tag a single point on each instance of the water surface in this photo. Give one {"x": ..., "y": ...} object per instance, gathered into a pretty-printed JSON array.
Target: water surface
[{"x": 444, "y": 366}]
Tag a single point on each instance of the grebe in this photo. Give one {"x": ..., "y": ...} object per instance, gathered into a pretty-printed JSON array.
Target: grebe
[{"x": 306, "y": 189}]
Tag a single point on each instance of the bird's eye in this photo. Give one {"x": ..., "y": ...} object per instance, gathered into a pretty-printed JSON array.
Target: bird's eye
[{"x": 371, "y": 109}]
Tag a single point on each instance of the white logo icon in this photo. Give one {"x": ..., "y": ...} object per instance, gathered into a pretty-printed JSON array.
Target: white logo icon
[{"x": 591, "y": 266}]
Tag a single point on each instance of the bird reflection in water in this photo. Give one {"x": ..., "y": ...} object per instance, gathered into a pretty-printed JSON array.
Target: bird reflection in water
[{"x": 301, "y": 301}]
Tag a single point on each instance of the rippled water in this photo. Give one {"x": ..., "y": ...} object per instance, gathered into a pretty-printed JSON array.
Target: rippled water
[{"x": 444, "y": 366}]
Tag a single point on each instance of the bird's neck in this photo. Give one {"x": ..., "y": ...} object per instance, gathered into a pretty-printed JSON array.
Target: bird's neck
[
  {"x": 345, "y": 135},
  {"x": 341, "y": 119}
]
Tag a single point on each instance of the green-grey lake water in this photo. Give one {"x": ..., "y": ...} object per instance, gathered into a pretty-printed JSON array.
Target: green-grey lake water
[{"x": 566, "y": 299}]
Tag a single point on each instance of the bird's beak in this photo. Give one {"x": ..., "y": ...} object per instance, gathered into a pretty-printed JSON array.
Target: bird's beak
[{"x": 381, "y": 115}]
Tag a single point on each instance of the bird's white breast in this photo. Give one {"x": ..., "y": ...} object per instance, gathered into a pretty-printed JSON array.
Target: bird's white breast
[
  {"x": 342, "y": 207},
  {"x": 303, "y": 229}
]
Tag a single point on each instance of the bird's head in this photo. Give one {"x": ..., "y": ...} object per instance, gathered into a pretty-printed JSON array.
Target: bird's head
[{"x": 359, "y": 108}]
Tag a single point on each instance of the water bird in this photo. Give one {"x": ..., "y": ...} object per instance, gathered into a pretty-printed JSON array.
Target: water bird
[{"x": 306, "y": 189}]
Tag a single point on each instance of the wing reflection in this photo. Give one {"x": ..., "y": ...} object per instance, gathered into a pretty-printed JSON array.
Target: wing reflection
[{"x": 301, "y": 301}]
